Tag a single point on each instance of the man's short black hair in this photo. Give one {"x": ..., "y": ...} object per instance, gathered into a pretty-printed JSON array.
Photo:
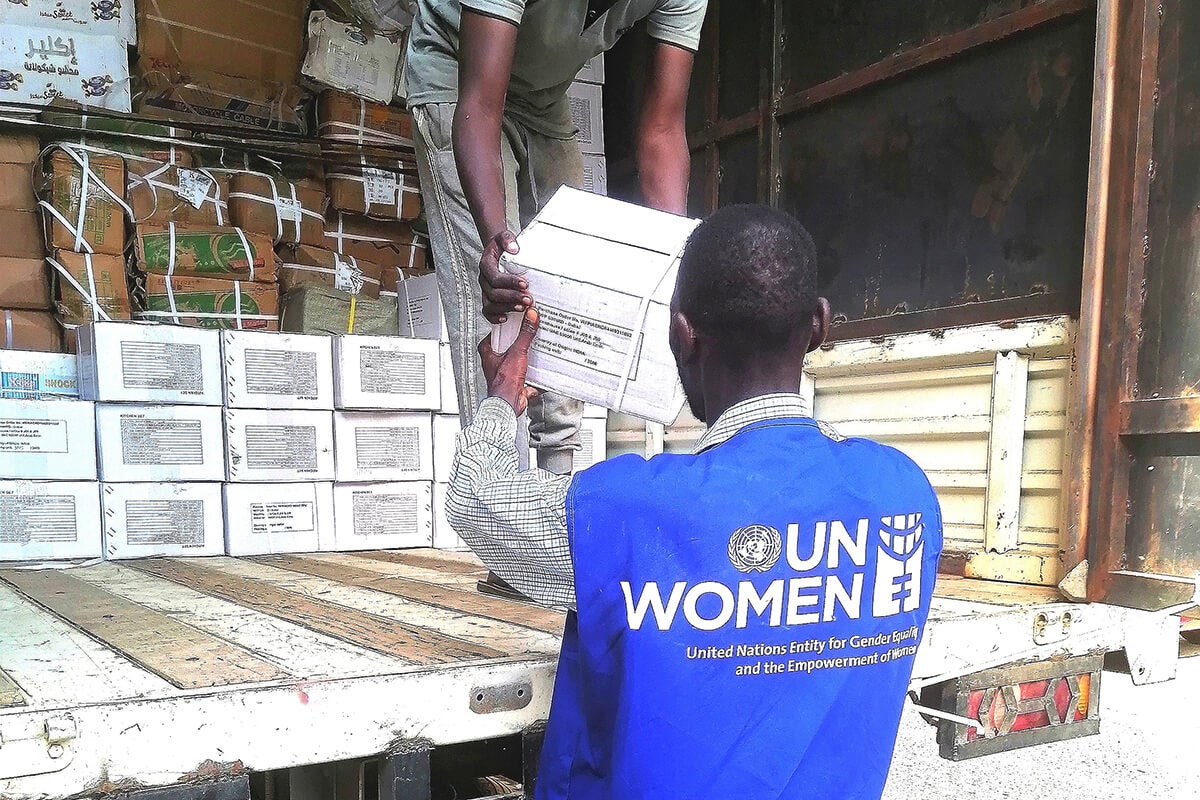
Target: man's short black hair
[{"x": 748, "y": 278}]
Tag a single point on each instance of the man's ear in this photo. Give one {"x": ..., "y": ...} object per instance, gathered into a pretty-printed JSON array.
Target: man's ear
[
  {"x": 820, "y": 324},
  {"x": 683, "y": 338}
]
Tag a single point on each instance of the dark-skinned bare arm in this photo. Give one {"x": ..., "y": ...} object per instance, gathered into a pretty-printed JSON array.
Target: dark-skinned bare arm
[
  {"x": 663, "y": 160},
  {"x": 486, "y": 47}
]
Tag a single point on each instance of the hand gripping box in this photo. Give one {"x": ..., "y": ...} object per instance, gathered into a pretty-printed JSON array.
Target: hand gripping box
[
  {"x": 383, "y": 446},
  {"x": 159, "y": 443},
  {"x": 277, "y": 370},
  {"x": 379, "y": 516},
  {"x": 264, "y": 518},
  {"x": 48, "y": 440},
  {"x": 601, "y": 274},
  {"x": 142, "y": 520},
  {"x": 49, "y": 520},
  {"x": 274, "y": 445},
  {"x": 133, "y": 362},
  {"x": 386, "y": 373}
]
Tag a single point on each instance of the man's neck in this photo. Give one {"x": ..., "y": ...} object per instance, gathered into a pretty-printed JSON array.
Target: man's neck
[{"x": 724, "y": 389}]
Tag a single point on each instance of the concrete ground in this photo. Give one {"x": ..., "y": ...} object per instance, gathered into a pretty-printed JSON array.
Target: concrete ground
[{"x": 1146, "y": 750}]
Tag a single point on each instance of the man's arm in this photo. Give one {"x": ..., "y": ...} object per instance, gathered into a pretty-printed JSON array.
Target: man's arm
[
  {"x": 486, "y": 48},
  {"x": 664, "y": 163},
  {"x": 516, "y": 522}
]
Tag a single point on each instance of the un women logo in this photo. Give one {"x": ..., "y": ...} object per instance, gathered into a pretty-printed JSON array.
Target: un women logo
[{"x": 755, "y": 548}]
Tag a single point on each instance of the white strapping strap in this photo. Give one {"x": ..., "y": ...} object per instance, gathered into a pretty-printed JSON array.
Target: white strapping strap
[
  {"x": 359, "y": 134},
  {"x": 202, "y": 315},
  {"x": 170, "y": 254},
  {"x": 402, "y": 188},
  {"x": 8, "y": 334},
  {"x": 408, "y": 307},
  {"x": 246, "y": 250},
  {"x": 221, "y": 205},
  {"x": 237, "y": 303},
  {"x": 79, "y": 154},
  {"x": 329, "y": 270},
  {"x": 273, "y": 201},
  {"x": 636, "y": 339},
  {"x": 88, "y": 294}
]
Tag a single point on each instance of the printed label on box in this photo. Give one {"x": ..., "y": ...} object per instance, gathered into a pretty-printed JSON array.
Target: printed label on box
[
  {"x": 281, "y": 447},
  {"x": 378, "y": 514},
  {"x": 565, "y": 335},
  {"x": 41, "y": 519},
  {"x": 161, "y": 522},
  {"x": 389, "y": 372},
  {"x": 33, "y": 436},
  {"x": 282, "y": 372},
  {"x": 383, "y": 448},
  {"x": 298, "y": 516},
  {"x": 346, "y": 276},
  {"x": 161, "y": 442},
  {"x": 171, "y": 366},
  {"x": 193, "y": 186},
  {"x": 288, "y": 210},
  {"x": 379, "y": 186}
]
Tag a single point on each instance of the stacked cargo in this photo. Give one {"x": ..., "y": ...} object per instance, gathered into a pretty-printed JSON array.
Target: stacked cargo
[
  {"x": 587, "y": 112},
  {"x": 25, "y": 299}
]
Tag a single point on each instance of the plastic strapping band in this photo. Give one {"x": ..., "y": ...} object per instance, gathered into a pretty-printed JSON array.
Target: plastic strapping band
[
  {"x": 97, "y": 311},
  {"x": 54, "y": 212},
  {"x": 91, "y": 276},
  {"x": 170, "y": 249},
  {"x": 362, "y": 120},
  {"x": 635, "y": 340},
  {"x": 246, "y": 249},
  {"x": 297, "y": 213},
  {"x": 216, "y": 200},
  {"x": 412, "y": 325},
  {"x": 237, "y": 303},
  {"x": 350, "y": 321},
  {"x": 83, "y": 193},
  {"x": 8, "y": 334},
  {"x": 278, "y": 210}
]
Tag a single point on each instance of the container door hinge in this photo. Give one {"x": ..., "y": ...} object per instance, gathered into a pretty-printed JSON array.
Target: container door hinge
[{"x": 36, "y": 746}]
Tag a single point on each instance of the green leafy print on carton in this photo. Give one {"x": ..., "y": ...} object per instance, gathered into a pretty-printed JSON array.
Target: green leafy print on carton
[{"x": 232, "y": 252}]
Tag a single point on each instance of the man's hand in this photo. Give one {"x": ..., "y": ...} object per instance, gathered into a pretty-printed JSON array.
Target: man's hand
[
  {"x": 503, "y": 293},
  {"x": 505, "y": 372}
]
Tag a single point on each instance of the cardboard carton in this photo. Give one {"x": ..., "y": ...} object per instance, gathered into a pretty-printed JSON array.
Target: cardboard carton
[
  {"x": 144, "y": 520},
  {"x": 392, "y": 192},
  {"x": 89, "y": 287},
  {"x": 159, "y": 443},
  {"x": 288, "y": 212},
  {"x": 446, "y": 428},
  {"x": 214, "y": 252},
  {"x": 379, "y": 516},
  {"x": 40, "y": 64},
  {"x": 354, "y": 59},
  {"x": 304, "y": 264},
  {"x": 214, "y": 99},
  {"x": 593, "y": 70},
  {"x": 261, "y": 41},
  {"x": 384, "y": 242},
  {"x": 385, "y": 373},
  {"x": 449, "y": 390},
  {"x": 50, "y": 520},
  {"x": 605, "y": 308},
  {"x": 277, "y": 370},
  {"x": 23, "y": 284},
  {"x": 103, "y": 223},
  {"x": 18, "y": 154},
  {"x": 113, "y": 19},
  {"x": 30, "y": 375},
  {"x": 278, "y": 445},
  {"x": 211, "y": 303},
  {"x": 420, "y": 307},
  {"x": 22, "y": 235},
  {"x": 29, "y": 330},
  {"x": 317, "y": 309},
  {"x": 265, "y": 518},
  {"x": 343, "y": 117},
  {"x": 587, "y": 114},
  {"x": 595, "y": 175},
  {"x": 47, "y": 440},
  {"x": 119, "y": 134},
  {"x": 126, "y": 362},
  {"x": 197, "y": 198},
  {"x": 389, "y": 17},
  {"x": 383, "y": 446},
  {"x": 444, "y": 537}
]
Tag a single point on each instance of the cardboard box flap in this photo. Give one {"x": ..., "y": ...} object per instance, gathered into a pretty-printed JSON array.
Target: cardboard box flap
[{"x": 604, "y": 218}]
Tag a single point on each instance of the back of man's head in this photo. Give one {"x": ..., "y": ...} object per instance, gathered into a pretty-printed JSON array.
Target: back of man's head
[{"x": 748, "y": 279}]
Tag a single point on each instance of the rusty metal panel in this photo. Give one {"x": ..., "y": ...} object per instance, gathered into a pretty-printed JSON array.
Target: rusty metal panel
[
  {"x": 826, "y": 38},
  {"x": 739, "y": 56},
  {"x": 1163, "y": 534},
  {"x": 965, "y": 182},
  {"x": 738, "y": 170}
]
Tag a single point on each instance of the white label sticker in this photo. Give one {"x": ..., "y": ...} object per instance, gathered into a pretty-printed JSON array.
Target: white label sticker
[
  {"x": 347, "y": 277},
  {"x": 285, "y": 516},
  {"x": 289, "y": 209},
  {"x": 379, "y": 186},
  {"x": 33, "y": 436},
  {"x": 194, "y": 186}
]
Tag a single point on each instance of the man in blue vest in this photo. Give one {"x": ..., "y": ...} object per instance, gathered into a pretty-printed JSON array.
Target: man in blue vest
[{"x": 744, "y": 618}]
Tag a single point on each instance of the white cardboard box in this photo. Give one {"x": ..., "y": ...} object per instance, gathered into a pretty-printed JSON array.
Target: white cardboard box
[
  {"x": 48, "y": 440},
  {"x": 595, "y": 175},
  {"x": 590, "y": 261},
  {"x": 593, "y": 70},
  {"x": 30, "y": 375},
  {"x": 587, "y": 114},
  {"x": 445, "y": 429},
  {"x": 386, "y": 373},
  {"x": 113, "y": 19},
  {"x": 263, "y": 518},
  {"x": 42, "y": 63},
  {"x": 130, "y": 362},
  {"x": 162, "y": 519},
  {"x": 49, "y": 520},
  {"x": 277, "y": 370},
  {"x": 446, "y": 378},
  {"x": 351, "y": 58},
  {"x": 159, "y": 443},
  {"x": 420, "y": 307},
  {"x": 379, "y": 516},
  {"x": 383, "y": 446},
  {"x": 264, "y": 445},
  {"x": 444, "y": 537}
]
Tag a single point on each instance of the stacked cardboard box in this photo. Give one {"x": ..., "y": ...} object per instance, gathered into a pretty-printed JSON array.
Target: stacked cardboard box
[
  {"x": 25, "y": 298},
  {"x": 587, "y": 112}
]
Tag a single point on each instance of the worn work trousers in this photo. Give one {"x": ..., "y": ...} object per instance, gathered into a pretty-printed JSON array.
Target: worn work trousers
[{"x": 535, "y": 166}]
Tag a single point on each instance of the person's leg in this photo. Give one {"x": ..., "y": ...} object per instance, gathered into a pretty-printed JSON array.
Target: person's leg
[
  {"x": 554, "y": 420},
  {"x": 456, "y": 246}
]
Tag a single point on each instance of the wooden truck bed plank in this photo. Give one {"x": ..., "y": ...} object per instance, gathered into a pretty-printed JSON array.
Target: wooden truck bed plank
[
  {"x": 440, "y": 561},
  {"x": 303, "y": 652},
  {"x": 185, "y": 656},
  {"x": 496, "y": 608},
  {"x": 954, "y": 587},
  {"x": 505, "y": 637},
  {"x": 466, "y": 581},
  {"x": 382, "y": 634}
]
